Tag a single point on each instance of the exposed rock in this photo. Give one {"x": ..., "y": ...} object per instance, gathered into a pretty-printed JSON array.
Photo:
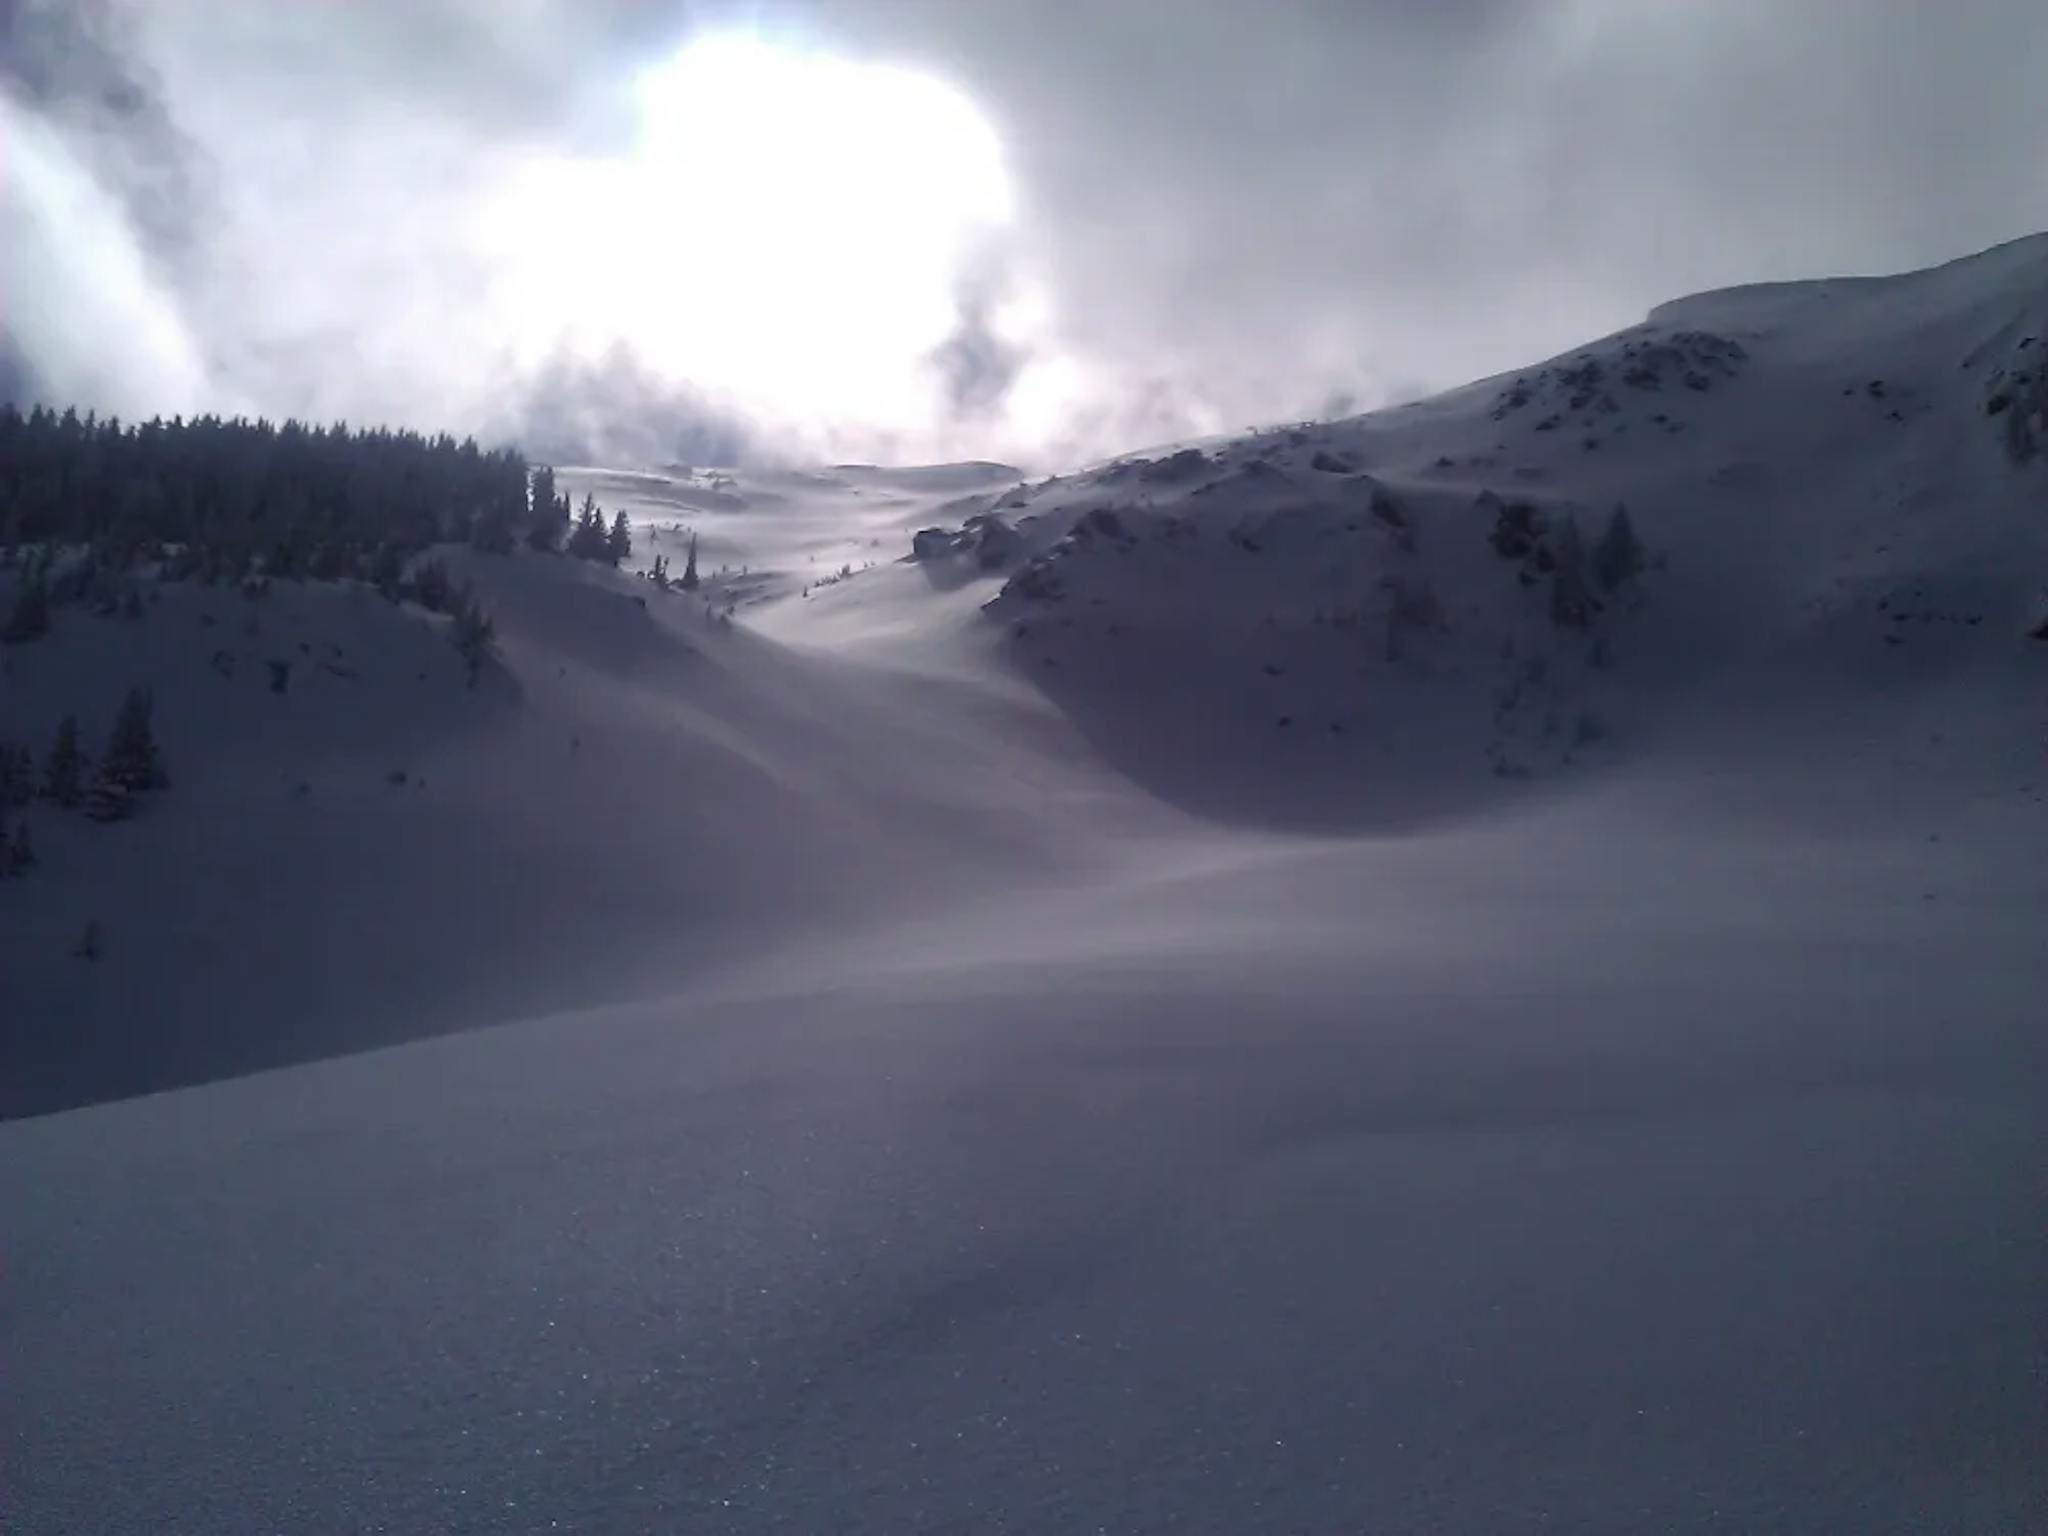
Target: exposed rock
[{"x": 1183, "y": 465}]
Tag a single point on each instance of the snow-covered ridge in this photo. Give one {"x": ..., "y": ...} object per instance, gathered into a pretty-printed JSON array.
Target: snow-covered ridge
[{"x": 1323, "y": 605}]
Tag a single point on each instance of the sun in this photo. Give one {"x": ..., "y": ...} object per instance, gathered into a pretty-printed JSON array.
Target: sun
[{"x": 790, "y": 229}]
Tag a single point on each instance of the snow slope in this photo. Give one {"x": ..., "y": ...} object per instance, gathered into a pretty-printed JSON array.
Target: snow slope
[
  {"x": 1044, "y": 1091},
  {"x": 634, "y": 794}
]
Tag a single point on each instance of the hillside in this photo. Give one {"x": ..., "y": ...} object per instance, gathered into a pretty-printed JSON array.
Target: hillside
[{"x": 1290, "y": 982}]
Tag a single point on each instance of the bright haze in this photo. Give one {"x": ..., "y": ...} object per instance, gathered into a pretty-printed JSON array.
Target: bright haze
[{"x": 1035, "y": 229}]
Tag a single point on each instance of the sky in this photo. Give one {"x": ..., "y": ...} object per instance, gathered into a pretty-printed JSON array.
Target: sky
[{"x": 1040, "y": 230}]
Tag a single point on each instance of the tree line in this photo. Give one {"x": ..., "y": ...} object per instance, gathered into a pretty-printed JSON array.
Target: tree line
[
  {"x": 228, "y": 499},
  {"x": 231, "y": 497}
]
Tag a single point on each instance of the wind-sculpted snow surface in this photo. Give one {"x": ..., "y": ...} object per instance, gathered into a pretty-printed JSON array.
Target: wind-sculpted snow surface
[{"x": 1420, "y": 973}]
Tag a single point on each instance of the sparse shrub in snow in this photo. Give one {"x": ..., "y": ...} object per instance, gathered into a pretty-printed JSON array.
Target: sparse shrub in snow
[
  {"x": 1104, "y": 521},
  {"x": 1516, "y": 528},
  {"x": 1619, "y": 554}
]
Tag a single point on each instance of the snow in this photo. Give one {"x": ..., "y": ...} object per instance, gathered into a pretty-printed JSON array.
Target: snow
[{"x": 949, "y": 1077}]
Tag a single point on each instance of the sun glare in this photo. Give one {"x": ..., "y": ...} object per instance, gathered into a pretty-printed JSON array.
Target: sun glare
[{"x": 791, "y": 230}]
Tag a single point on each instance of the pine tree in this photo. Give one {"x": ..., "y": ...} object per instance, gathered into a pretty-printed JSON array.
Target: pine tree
[
  {"x": 548, "y": 515},
  {"x": 63, "y": 778},
  {"x": 131, "y": 760},
  {"x": 588, "y": 541},
  {"x": 541, "y": 527},
  {"x": 689, "y": 582},
  {"x": 1619, "y": 554},
  {"x": 619, "y": 543}
]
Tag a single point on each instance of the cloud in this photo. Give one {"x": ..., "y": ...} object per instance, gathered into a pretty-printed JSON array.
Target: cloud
[{"x": 1227, "y": 211}]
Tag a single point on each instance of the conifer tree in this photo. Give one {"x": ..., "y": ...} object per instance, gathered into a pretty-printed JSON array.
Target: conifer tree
[
  {"x": 619, "y": 542},
  {"x": 131, "y": 760},
  {"x": 689, "y": 582},
  {"x": 548, "y": 517}
]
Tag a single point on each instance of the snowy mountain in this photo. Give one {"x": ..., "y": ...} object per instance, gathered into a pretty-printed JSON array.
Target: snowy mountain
[{"x": 1294, "y": 982}]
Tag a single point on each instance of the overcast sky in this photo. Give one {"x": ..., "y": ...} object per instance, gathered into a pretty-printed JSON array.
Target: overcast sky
[{"x": 1216, "y": 211}]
